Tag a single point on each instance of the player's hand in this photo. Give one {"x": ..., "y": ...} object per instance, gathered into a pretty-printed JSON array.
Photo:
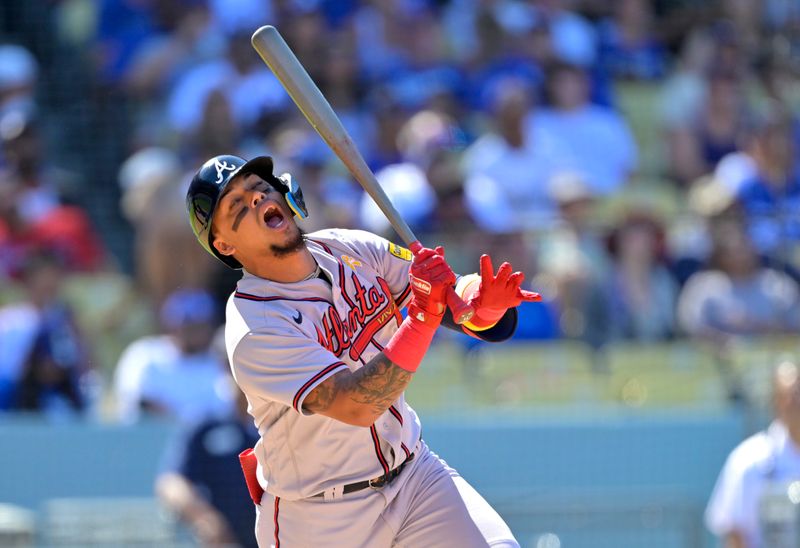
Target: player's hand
[
  {"x": 496, "y": 292},
  {"x": 430, "y": 276},
  {"x": 211, "y": 530}
]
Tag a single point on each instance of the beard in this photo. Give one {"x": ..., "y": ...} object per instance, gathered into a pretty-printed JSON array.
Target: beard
[{"x": 295, "y": 244}]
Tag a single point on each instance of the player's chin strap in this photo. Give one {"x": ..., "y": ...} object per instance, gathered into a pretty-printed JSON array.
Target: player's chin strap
[{"x": 294, "y": 196}]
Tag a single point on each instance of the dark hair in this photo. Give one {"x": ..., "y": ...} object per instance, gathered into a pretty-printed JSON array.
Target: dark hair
[
  {"x": 42, "y": 259},
  {"x": 639, "y": 219}
]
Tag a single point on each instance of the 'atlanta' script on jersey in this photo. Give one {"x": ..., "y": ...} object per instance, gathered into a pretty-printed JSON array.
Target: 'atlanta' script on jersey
[{"x": 370, "y": 310}]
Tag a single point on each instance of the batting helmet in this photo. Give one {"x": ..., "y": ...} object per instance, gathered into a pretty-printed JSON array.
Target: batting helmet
[{"x": 209, "y": 183}]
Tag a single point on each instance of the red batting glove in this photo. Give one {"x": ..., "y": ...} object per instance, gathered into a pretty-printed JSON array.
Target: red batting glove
[
  {"x": 430, "y": 276},
  {"x": 495, "y": 294}
]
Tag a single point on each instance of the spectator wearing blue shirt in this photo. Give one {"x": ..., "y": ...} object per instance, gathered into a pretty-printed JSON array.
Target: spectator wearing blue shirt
[
  {"x": 628, "y": 46},
  {"x": 771, "y": 197}
]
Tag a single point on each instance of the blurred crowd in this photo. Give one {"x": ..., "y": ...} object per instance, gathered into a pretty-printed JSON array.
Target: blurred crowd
[{"x": 636, "y": 158}]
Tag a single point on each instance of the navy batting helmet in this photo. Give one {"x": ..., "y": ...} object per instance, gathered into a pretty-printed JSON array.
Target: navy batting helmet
[{"x": 209, "y": 183}]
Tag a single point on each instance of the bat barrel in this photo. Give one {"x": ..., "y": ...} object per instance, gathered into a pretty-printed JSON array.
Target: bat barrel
[{"x": 273, "y": 49}]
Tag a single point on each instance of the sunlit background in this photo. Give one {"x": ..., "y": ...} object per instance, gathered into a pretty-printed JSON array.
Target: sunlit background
[{"x": 636, "y": 159}]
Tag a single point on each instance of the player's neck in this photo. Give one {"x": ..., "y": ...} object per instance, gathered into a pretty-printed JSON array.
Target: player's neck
[
  {"x": 290, "y": 268},
  {"x": 793, "y": 431}
]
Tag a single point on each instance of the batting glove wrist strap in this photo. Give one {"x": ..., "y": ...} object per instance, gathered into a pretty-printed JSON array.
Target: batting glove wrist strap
[{"x": 408, "y": 345}]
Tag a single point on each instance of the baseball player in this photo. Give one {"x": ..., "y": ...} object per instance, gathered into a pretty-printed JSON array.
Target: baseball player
[{"x": 317, "y": 343}]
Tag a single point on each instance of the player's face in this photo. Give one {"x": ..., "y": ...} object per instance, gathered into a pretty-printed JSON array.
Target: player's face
[
  {"x": 252, "y": 220},
  {"x": 787, "y": 394}
]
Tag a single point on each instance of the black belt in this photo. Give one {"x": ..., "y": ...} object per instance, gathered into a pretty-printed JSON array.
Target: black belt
[{"x": 375, "y": 483}]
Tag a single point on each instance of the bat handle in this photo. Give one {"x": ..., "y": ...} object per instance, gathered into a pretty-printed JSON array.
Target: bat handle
[{"x": 462, "y": 311}]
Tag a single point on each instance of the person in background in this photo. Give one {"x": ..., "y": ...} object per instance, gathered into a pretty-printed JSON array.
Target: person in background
[
  {"x": 770, "y": 197},
  {"x": 426, "y": 185},
  {"x": 249, "y": 91},
  {"x": 152, "y": 195},
  {"x": 750, "y": 506},
  {"x": 576, "y": 262},
  {"x": 736, "y": 295},
  {"x": 19, "y": 74},
  {"x": 588, "y": 139},
  {"x": 643, "y": 293},
  {"x": 629, "y": 46},
  {"x": 33, "y": 215},
  {"x": 506, "y": 170},
  {"x": 201, "y": 480},
  {"x": 44, "y": 364},
  {"x": 175, "y": 375},
  {"x": 717, "y": 130}
]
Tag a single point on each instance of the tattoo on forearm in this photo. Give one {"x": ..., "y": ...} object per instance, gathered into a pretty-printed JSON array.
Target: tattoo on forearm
[
  {"x": 377, "y": 384},
  {"x": 321, "y": 398}
]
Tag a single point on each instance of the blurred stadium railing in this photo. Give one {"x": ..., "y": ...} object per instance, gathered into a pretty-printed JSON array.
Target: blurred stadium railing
[{"x": 615, "y": 478}]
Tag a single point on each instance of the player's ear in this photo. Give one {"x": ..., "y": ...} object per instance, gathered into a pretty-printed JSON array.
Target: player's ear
[{"x": 223, "y": 247}]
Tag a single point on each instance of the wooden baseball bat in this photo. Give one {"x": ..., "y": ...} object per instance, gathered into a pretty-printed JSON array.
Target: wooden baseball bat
[{"x": 273, "y": 49}]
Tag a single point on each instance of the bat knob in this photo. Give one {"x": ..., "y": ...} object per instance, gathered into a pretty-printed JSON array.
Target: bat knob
[{"x": 415, "y": 247}]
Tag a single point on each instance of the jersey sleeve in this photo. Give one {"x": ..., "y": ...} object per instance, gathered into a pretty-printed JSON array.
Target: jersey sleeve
[
  {"x": 726, "y": 507},
  {"x": 282, "y": 366},
  {"x": 127, "y": 382},
  {"x": 392, "y": 262}
]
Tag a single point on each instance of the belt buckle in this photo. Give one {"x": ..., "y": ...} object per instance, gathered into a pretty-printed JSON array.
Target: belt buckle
[{"x": 377, "y": 483}]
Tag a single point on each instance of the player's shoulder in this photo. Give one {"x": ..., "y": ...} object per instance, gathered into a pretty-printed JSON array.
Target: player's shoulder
[
  {"x": 754, "y": 455},
  {"x": 359, "y": 242},
  {"x": 246, "y": 312},
  {"x": 259, "y": 315},
  {"x": 153, "y": 345},
  {"x": 708, "y": 282},
  {"x": 144, "y": 355}
]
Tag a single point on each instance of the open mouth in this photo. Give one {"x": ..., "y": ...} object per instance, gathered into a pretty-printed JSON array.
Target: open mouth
[{"x": 273, "y": 217}]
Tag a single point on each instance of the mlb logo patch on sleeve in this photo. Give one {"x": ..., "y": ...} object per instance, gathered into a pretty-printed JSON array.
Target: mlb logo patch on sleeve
[{"x": 400, "y": 252}]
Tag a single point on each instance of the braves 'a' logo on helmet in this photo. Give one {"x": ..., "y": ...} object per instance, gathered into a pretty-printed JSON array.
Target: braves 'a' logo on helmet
[{"x": 222, "y": 166}]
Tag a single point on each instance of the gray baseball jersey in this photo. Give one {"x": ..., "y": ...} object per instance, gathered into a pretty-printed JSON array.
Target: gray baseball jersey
[{"x": 283, "y": 339}]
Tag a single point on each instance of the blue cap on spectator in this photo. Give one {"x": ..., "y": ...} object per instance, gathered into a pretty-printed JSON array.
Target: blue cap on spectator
[{"x": 187, "y": 306}]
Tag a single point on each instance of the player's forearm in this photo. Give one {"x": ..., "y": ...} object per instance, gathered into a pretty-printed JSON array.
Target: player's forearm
[
  {"x": 207, "y": 523},
  {"x": 177, "y": 494},
  {"x": 360, "y": 397}
]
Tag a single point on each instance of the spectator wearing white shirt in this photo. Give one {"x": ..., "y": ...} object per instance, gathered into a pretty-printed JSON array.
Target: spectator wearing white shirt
[
  {"x": 19, "y": 71},
  {"x": 426, "y": 186},
  {"x": 737, "y": 296},
  {"x": 754, "y": 481},
  {"x": 580, "y": 137},
  {"x": 574, "y": 258},
  {"x": 176, "y": 375},
  {"x": 506, "y": 188},
  {"x": 251, "y": 91}
]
